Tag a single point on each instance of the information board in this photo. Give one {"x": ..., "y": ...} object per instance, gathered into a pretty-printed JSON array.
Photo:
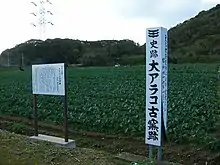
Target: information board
[{"x": 48, "y": 79}]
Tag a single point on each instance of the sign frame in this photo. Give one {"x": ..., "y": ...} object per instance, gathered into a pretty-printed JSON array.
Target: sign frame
[{"x": 64, "y": 94}]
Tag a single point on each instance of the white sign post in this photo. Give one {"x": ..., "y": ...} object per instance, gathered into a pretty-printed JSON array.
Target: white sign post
[{"x": 156, "y": 87}]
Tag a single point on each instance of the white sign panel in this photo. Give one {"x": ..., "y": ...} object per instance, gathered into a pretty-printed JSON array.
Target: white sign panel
[
  {"x": 48, "y": 79},
  {"x": 155, "y": 51}
]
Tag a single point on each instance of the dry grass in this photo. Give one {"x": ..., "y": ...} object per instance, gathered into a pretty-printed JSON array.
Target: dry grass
[{"x": 17, "y": 150}]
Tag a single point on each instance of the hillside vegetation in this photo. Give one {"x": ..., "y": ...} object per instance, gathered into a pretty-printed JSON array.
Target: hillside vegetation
[{"x": 195, "y": 40}]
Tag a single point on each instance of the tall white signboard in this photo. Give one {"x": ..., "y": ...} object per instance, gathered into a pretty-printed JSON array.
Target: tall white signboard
[
  {"x": 48, "y": 79},
  {"x": 156, "y": 84}
]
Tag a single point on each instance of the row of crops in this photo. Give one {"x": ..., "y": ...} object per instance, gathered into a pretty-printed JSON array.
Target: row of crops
[{"x": 112, "y": 100}]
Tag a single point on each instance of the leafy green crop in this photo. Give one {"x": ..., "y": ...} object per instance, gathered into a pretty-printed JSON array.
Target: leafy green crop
[{"x": 112, "y": 100}]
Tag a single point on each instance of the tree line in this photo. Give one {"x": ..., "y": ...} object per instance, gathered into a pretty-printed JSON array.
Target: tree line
[
  {"x": 194, "y": 40},
  {"x": 87, "y": 53}
]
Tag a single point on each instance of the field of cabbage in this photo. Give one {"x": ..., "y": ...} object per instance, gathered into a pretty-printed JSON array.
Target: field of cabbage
[{"x": 112, "y": 100}]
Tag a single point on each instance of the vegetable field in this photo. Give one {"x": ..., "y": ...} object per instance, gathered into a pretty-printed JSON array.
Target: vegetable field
[{"x": 112, "y": 100}]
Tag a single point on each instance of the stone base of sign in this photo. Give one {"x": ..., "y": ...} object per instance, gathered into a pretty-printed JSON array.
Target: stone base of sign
[
  {"x": 60, "y": 142},
  {"x": 137, "y": 158}
]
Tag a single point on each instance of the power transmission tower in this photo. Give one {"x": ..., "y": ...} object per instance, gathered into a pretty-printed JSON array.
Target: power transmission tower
[{"x": 41, "y": 12}]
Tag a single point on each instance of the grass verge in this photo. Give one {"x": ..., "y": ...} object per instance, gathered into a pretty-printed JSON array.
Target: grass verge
[{"x": 17, "y": 150}]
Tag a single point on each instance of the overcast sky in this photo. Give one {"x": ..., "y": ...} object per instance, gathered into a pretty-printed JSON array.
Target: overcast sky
[{"x": 94, "y": 19}]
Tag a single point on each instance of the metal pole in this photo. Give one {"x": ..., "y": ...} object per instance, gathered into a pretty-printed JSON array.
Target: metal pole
[
  {"x": 35, "y": 115},
  {"x": 159, "y": 154},
  {"x": 8, "y": 60},
  {"x": 22, "y": 59},
  {"x": 65, "y": 106},
  {"x": 150, "y": 152}
]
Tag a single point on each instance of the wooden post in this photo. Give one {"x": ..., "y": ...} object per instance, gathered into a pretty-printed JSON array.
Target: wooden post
[
  {"x": 35, "y": 115},
  {"x": 65, "y": 106}
]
